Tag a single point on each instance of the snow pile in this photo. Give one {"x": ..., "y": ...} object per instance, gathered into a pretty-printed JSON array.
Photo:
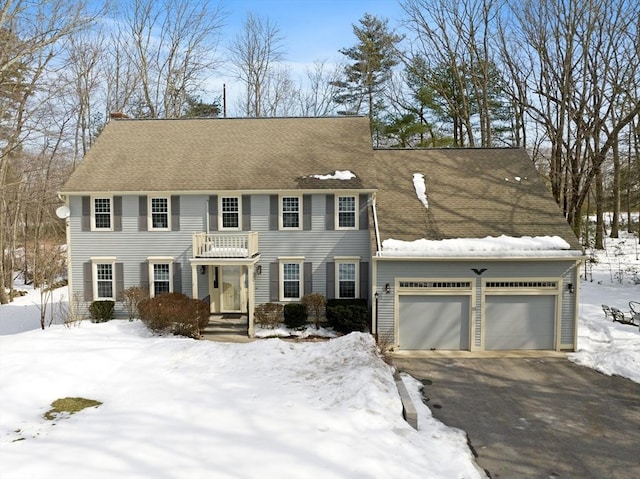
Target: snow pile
[
  {"x": 338, "y": 175},
  {"x": 489, "y": 246},
  {"x": 421, "y": 188},
  {"x": 610, "y": 347},
  {"x": 175, "y": 407}
]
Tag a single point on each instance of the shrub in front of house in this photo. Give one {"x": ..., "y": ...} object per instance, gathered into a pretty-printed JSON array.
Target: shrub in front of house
[
  {"x": 175, "y": 313},
  {"x": 315, "y": 303},
  {"x": 347, "y": 315},
  {"x": 131, "y": 299},
  {"x": 268, "y": 315},
  {"x": 101, "y": 311},
  {"x": 295, "y": 315}
]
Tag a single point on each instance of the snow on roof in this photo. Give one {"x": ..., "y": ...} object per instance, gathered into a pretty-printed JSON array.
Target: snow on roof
[
  {"x": 502, "y": 246},
  {"x": 338, "y": 175},
  {"x": 421, "y": 188}
]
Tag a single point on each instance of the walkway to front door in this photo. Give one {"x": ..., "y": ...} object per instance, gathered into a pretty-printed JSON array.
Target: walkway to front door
[{"x": 231, "y": 328}]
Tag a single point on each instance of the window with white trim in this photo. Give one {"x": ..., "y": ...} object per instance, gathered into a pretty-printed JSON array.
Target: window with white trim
[
  {"x": 290, "y": 211},
  {"x": 347, "y": 279},
  {"x": 102, "y": 213},
  {"x": 230, "y": 213},
  {"x": 346, "y": 211},
  {"x": 160, "y": 275},
  {"x": 291, "y": 286},
  {"x": 104, "y": 279},
  {"x": 161, "y": 278},
  {"x": 160, "y": 213}
]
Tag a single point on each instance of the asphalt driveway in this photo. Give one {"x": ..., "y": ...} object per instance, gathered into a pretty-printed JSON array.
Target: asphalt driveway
[{"x": 536, "y": 417}]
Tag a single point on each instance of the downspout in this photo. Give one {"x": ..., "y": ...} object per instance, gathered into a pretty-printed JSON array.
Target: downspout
[
  {"x": 375, "y": 224},
  {"x": 375, "y": 264}
]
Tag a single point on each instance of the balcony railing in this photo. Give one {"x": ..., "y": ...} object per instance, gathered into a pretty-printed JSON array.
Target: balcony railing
[{"x": 225, "y": 245}]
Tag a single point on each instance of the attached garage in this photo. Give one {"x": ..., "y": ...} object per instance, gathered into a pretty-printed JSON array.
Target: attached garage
[
  {"x": 434, "y": 315},
  {"x": 520, "y": 315}
]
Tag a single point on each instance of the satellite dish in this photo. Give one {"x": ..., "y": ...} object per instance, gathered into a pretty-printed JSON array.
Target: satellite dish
[{"x": 63, "y": 212}]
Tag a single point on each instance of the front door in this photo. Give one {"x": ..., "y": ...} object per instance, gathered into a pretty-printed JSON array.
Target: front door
[{"x": 230, "y": 282}]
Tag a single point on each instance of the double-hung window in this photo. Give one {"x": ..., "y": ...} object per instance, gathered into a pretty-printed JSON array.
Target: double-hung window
[
  {"x": 230, "y": 212},
  {"x": 102, "y": 213},
  {"x": 104, "y": 278},
  {"x": 290, "y": 212},
  {"x": 347, "y": 278},
  {"x": 291, "y": 276},
  {"x": 346, "y": 210},
  {"x": 159, "y": 218},
  {"x": 160, "y": 273}
]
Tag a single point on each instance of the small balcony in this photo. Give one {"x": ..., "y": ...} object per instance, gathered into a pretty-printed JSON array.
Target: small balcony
[{"x": 225, "y": 245}]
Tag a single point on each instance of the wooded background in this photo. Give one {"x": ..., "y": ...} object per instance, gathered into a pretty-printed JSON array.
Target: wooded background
[{"x": 560, "y": 78}]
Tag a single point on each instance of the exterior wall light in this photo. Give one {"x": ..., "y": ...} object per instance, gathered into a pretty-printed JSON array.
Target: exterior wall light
[
  {"x": 387, "y": 288},
  {"x": 203, "y": 269},
  {"x": 570, "y": 288}
]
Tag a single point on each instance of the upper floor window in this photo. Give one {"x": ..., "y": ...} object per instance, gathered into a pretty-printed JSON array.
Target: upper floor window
[
  {"x": 290, "y": 211},
  {"x": 346, "y": 210},
  {"x": 102, "y": 213},
  {"x": 159, "y": 218},
  {"x": 230, "y": 212}
]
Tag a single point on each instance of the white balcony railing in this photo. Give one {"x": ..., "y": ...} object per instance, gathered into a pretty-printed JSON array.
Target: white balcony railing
[{"x": 225, "y": 245}]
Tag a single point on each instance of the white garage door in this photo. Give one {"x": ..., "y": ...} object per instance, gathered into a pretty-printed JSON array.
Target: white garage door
[
  {"x": 433, "y": 322},
  {"x": 520, "y": 322}
]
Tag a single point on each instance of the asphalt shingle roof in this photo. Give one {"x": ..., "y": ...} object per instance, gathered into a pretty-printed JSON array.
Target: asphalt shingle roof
[
  {"x": 226, "y": 154},
  {"x": 472, "y": 193}
]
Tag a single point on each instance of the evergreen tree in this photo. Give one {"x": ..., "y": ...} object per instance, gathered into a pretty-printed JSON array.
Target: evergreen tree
[{"x": 370, "y": 63}]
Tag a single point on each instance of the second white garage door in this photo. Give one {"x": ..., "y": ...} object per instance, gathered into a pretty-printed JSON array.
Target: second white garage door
[
  {"x": 433, "y": 322},
  {"x": 520, "y": 322}
]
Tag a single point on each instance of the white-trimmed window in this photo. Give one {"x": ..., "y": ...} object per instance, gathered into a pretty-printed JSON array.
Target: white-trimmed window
[
  {"x": 291, "y": 212},
  {"x": 104, "y": 278},
  {"x": 160, "y": 208},
  {"x": 291, "y": 279},
  {"x": 102, "y": 213},
  {"x": 347, "y": 212},
  {"x": 229, "y": 213},
  {"x": 160, "y": 275},
  {"x": 347, "y": 278}
]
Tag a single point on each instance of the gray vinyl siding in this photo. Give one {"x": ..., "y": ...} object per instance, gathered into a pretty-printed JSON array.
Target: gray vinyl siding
[
  {"x": 388, "y": 271},
  {"x": 132, "y": 247},
  {"x": 317, "y": 245}
]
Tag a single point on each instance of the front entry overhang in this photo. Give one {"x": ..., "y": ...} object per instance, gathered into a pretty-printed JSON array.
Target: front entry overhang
[{"x": 248, "y": 262}]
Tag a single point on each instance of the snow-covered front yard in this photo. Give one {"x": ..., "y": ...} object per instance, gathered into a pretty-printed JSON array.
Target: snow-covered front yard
[{"x": 176, "y": 408}]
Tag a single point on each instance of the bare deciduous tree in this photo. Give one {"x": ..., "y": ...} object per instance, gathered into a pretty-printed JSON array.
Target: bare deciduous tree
[
  {"x": 255, "y": 53},
  {"x": 170, "y": 50}
]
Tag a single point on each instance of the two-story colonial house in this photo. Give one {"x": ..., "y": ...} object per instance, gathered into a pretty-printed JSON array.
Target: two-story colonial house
[{"x": 248, "y": 211}]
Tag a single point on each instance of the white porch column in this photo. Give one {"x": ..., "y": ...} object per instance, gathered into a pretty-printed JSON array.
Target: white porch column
[
  {"x": 252, "y": 299},
  {"x": 194, "y": 281}
]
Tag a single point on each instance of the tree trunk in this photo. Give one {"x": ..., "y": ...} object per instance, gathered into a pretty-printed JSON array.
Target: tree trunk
[
  {"x": 615, "y": 223},
  {"x": 599, "y": 239}
]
